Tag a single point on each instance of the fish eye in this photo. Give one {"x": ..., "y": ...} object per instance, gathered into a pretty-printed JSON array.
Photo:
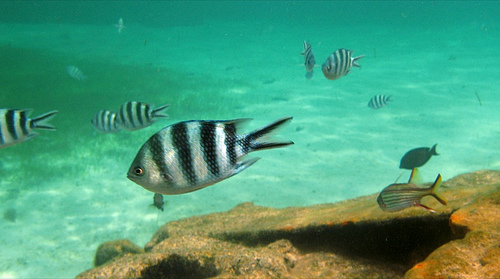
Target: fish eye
[{"x": 138, "y": 171}]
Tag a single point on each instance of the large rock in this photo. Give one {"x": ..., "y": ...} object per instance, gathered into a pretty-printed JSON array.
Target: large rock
[{"x": 349, "y": 239}]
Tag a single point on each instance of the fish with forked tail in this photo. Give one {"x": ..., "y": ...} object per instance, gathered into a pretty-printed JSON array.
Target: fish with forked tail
[
  {"x": 137, "y": 115},
  {"x": 16, "y": 126},
  {"x": 339, "y": 63},
  {"x": 399, "y": 196},
  {"x": 417, "y": 157},
  {"x": 190, "y": 155}
]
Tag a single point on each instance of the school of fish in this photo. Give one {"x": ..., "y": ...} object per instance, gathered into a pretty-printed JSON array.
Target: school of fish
[{"x": 191, "y": 155}]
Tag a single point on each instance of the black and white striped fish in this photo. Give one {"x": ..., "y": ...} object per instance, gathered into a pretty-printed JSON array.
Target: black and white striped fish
[
  {"x": 106, "y": 121},
  {"x": 75, "y": 73},
  {"x": 16, "y": 126},
  {"x": 379, "y": 101},
  {"x": 399, "y": 196},
  {"x": 309, "y": 59},
  {"x": 136, "y": 115},
  {"x": 339, "y": 64},
  {"x": 191, "y": 155}
]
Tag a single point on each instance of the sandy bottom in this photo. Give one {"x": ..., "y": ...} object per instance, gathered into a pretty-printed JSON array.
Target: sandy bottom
[{"x": 69, "y": 188}]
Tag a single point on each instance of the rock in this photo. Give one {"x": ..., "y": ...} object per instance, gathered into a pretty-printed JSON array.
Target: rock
[
  {"x": 112, "y": 249},
  {"x": 349, "y": 239}
]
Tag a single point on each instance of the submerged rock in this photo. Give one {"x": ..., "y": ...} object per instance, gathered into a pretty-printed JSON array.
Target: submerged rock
[
  {"x": 112, "y": 249},
  {"x": 349, "y": 239}
]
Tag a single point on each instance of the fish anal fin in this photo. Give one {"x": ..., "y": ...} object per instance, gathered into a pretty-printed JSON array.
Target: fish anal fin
[
  {"x": 415, "y": 177},
  {"x": 426, "y": 208},
  {"x": 244, "y": 165}
]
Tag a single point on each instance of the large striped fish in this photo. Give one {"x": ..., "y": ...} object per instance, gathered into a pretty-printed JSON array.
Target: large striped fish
[
  {"x": 339, "y": 64},
  {"x": 399, "y": 196},
  {"x": 136, "y": 115},
  {"x": 16, "y": 126},
  {"x": 191, "y": 155},
  {"x": 75, "y": 73},
  {"x": 309, "y": 59},
  {"x": 379, "y": 101},
  {"x": 106, "y": 121}
]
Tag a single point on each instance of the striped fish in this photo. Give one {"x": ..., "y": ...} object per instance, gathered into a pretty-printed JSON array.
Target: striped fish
[
  {"x": 75, "y": 73},
  {"x": 339, "y": 64},
  {"x": 396, "y": 197},
  {"x": 309, "y": 59},
  {"x": 16, "y": 126},
  {"x": 378, "y": 101},
  {"x": 191, "y": 155},
  {"x": 106, "y": 122},
  {"x": 136, "y": 115}
]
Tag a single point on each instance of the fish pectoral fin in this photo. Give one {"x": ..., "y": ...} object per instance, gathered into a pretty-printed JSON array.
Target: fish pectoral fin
[
  {"x": 426, "y": 207},
  {"x": 241, "y": 166}
]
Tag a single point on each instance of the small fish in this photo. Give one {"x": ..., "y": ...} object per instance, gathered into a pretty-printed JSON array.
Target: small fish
[
  {"x": 309, "y": 59},
  {"x": 106, "y": 122},
  {"x": 16, "y": 126},
  {"x": 136, "y": 115},
  {"x": 120, "y": 25},
  {"x": 379, "y": 101},
  {"x": 339, "y": 64},
  {"x": 75, "y": 73},
  {"x": 396, "y": 197},
  {"x": 417, "y": 157},
  {"x": 158, "y": 201},
  {"x": 190, "y": 155}
]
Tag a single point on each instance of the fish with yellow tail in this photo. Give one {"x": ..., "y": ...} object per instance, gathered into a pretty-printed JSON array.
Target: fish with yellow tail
[
  {"x": 190, "y": 155},
  {"x": 399, "y": 196}
]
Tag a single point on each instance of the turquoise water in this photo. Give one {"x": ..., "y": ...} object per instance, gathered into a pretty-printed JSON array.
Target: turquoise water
[{"x": 225, "y": 60}]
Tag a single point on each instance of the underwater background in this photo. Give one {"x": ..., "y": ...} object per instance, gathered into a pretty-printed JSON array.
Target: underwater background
[{"x": 65, "y": 192}]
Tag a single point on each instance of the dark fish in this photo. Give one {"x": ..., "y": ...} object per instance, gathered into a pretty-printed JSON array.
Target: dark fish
[
  {"x": 417, "y": 157},
  {"x": 136, "y": 115},
  {"x": 191, "y": 155},
  {"x": 339, "y": 64},
  {"x": 309, "y": 59},
  {"x": 106, "y": 122},
  {"x": 396, "y": 197},
  {"x": 158, "y": 201},
  {"x": 75, "y": 73},
  {"x": 378, "y": 101},
  {"x": 16, "y": 126}
]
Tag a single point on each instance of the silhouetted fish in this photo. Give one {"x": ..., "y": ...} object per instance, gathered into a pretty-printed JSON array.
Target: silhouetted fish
[
  {"x": 396, "y": 197},
  {"x": 378, "y": 101},
  {"x": 309, "y": 59},
  {"x": 158, "y": 201},
  {"x": 339, "y": 63},
  {"x": 417, "y": 157}
]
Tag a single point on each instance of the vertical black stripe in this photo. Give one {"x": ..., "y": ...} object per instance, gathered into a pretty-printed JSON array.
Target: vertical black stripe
[
  {"x": 230, "y": 142},
  {"x": 208, "y": 144},
  {"x": 182, "y": 146},
  {"x": 122, "y": 116},
  {"x": 102, "y": 120},
  {"x": 138, "y": 112},
  {"x": 130, "y": 114},
  {"x": 9, "y": 120},
  {"x": 157, "y": 149},
  {"x": 148, "y": 113},
  {"x": 24, "y": 123}
]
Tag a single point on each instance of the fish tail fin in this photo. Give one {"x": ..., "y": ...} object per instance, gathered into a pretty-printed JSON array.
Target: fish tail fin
[
  {"x": 158, "y": 112},
  {"x": 355, "y": 60},
  {"x": 433, "y": 190},
  {"x": 42, "y": 121},
  {"x": 309, "y": 75},
  {"x": 253, "y": 142},
  {"x": 433, "y": 150}
]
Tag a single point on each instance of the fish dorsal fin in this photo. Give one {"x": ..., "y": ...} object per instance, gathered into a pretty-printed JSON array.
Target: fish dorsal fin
[{"x": 415, "y": 177}]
